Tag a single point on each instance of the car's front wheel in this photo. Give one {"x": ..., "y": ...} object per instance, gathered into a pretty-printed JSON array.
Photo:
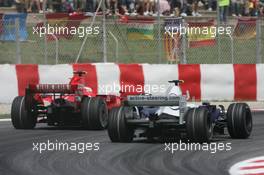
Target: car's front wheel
[{"x": 239, "y": 120}]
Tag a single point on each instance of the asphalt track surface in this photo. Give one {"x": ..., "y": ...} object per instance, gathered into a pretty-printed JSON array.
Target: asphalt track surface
[{"x": 137, "y": 158}]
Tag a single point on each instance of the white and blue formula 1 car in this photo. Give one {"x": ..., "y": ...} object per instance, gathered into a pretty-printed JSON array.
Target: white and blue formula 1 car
[{"x": 157, "y": 116}]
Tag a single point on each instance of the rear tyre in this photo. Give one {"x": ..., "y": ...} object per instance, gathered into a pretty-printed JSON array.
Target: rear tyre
[
  {"x": 21, "y": 118},
  {"x": 199, "y": 125},
  {"x": 118, "y": 130},
  {"x": 239, "y": 120},
  {"x": 94, "y": 113}
]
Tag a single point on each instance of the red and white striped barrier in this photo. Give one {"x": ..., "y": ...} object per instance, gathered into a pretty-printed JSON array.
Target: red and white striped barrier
[{"x": 219, "y": 82}]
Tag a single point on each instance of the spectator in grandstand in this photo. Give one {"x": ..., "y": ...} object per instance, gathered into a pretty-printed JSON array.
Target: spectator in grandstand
[
  {"x": 125, "y": 5},
  {"x": 90, "y": 7},
  {"x": 20, "y": 6},
  {"x": 261, "y": 8},
  {"x": 150, "y": 8},
  {"x": 67, "y": 6},
  {"x": 133, "y": 7},
  {"x": 139, "y": 7},
  {"x": 212, "y": 5},
  {"x": 175, "y": 6},
  {"x": 178, "y": 8},
  {"x": 136, "y": 7},
  {"x": 250, "y": 8},
  {"x": 194, "y": 4},
  {"x": 27, "y": 4},
  {"x": 223, "y": 8},
  {"x": 130, "y": 7},
  {"x": 165, "y": 7},
  {"x": 246, "y": 8},
  {"x": 78, "y": 5},
  {"x": 49, "y": 6},
  {"x": 236, "y": 7},
  {"x": 113, "y": 6},
  {"x": 6, "y": 3},
  {"x": 32, "y": 3},
  {"x": 253, "y": 8}
]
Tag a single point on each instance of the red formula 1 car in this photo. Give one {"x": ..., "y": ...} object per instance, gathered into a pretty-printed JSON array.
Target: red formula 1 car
[{"x": 72, "y": 104}]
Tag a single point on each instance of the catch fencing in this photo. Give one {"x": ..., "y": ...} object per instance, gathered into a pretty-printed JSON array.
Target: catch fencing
[{"x": 116, "y": 43}]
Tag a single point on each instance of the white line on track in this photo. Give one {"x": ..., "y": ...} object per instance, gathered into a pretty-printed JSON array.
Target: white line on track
[
  {"x": 258, "y": 110},
  {"x": 5, "y": 119}
]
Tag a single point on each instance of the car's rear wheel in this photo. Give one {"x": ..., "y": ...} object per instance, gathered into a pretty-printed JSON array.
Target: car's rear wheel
[
  {"x": 94, "y": 113},
  {"x": 239, "y": 120},
  {"x": 198, "y": 125},
  {"x": 118, "y": 130},
  {"x": 20, "y": 116}
]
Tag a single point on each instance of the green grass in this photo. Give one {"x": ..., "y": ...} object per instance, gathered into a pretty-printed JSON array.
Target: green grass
[{"x": 143, "y": 51}]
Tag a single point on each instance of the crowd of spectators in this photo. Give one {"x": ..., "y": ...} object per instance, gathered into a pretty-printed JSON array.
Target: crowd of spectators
[{"x": 142, "y": 7}]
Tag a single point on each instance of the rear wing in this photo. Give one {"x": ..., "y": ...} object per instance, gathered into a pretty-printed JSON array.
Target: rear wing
[
  {"x": 149, "y": 100},
  {"x": 51, "y": 88}
]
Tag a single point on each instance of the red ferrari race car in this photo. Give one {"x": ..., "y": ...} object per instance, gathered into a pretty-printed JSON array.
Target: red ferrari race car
[{"x": 72, "y": 104}]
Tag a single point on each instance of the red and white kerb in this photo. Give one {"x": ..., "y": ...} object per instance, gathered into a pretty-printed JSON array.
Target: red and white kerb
[{"x": 254, "y": 166}]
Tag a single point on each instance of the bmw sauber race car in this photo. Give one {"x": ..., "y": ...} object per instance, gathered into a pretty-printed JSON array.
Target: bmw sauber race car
[
  {"x": 72, "y": 104},
  {"x": 158, "y": 116}
]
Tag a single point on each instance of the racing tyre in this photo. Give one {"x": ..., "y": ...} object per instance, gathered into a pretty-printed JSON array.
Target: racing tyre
[
  {"x": 118, "y": 129},
  {"x": 21, "y": 118},
  {"x": 199, "y": 125},
  {"x": 94, "y": 113},
  {"x": 239, "y": 120}
]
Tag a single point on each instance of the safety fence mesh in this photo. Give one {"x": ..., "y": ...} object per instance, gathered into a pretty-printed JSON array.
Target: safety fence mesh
[{"x": 136, "y": 42}]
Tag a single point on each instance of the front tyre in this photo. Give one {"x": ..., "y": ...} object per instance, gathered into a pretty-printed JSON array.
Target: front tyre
[
  {"x": 94, "y": 113},
  {"x": 118, "y": 130},
  {"x": 20, "y": 117},
  {"x": 239, "y": 120},
  {"x": 199, "y": 125}
]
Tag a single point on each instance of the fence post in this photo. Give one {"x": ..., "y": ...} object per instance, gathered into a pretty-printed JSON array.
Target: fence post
[
  {"x": 45, "y": 41},
  {"x": 18, "y": 49},
  {"x": 217, "y": 35},
  {"x": 44, "y": 6},
  {"x": 104, "y": 35},
  {"x": 159, "y": 33},
  {"x": 232, "y": 49},
  {"x": 117, "y": 47},
  {"x": 258, "y": 40},
  {"x": 184, "y": 45},
  {"x": 57, "y": 48}
]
